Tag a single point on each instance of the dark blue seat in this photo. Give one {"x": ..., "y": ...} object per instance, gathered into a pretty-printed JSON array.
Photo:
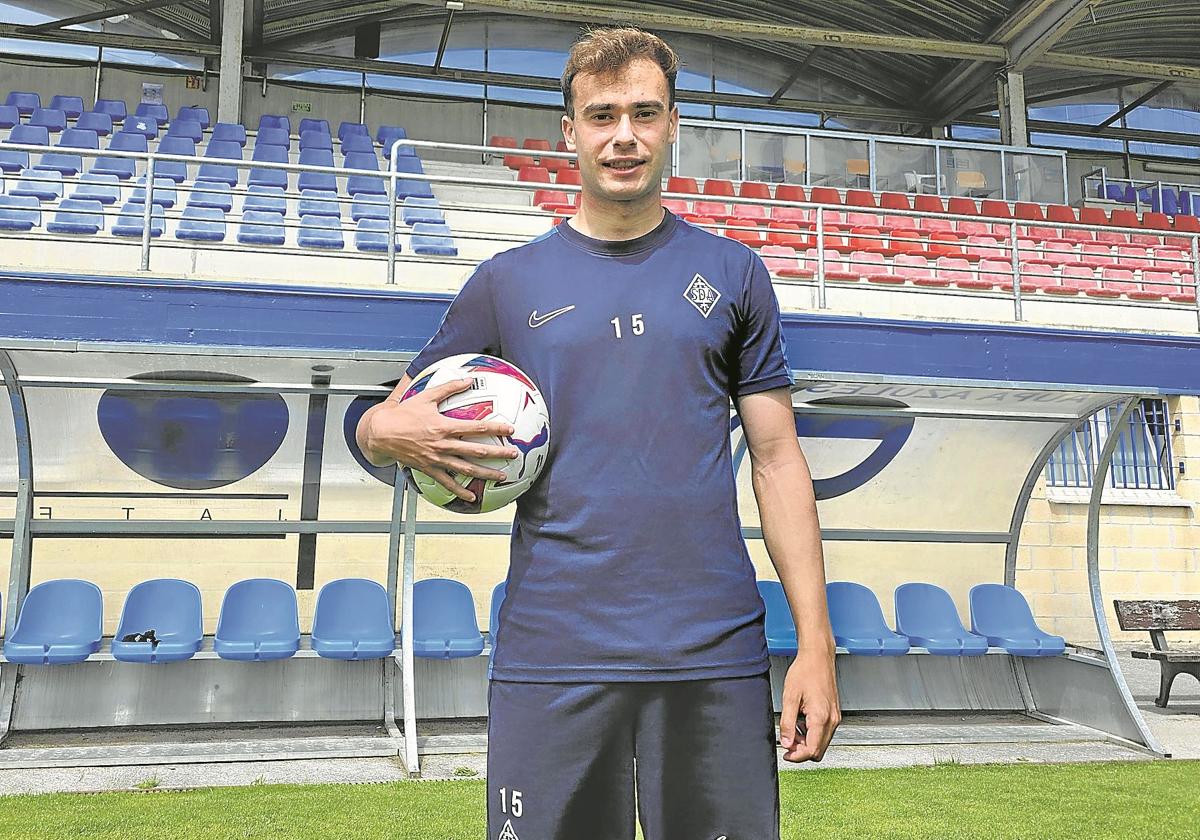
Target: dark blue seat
[
  {"x": 193, "y": 113},
  {"x": 143, "y": 125},
  {"x": 357, "y": 144},
  {"x": 273, "y": 137},
  {"x": 364, "y": 184},
  {"x": 222, "y": 172},
  {"x": 60, "y": 622},
  {"x": 229, "y": 133},
  {"x": 21, "y": 213},
  {"x": 369, "y": 207},
  {"x": 131, "y": 220},
  {"x": 72, "y": 106},
  {"x": 927, "y": 615},
  {"x": 1164, "y": 201},
  {"x": 103, "y": 188},
  {"x": 122, "y": 167},
  {"x": 156, "y": 110},
  {"x": 9, "y": 116},
  {"x": 169, "y": 607},
  {"x": 115, "y": 108},
  {"x": 411, "y": 186},
  {"x": 444, "y": 623},
  {"x": 216, "y": 195},
  {"x": 258, "y": 621},
  {"x": 389, "y": 134},
  {"x": 77, "y": 216},
  {"x": 370, "y": 235},
  {"x": 190, "y": 129},
  {"x": 316, "y": 140},
  {"x": 348, "y": 128},
  {"x": 42, "y": 184},
  {"x": 275, "y": 121},
  {"x": 417, "y": 209},
  {"x": 858, "y": 623},
  {"x": 316, "y": 180},
  {"x": 176, "y": 170},
  {"x": 261, "y": 227},
  {"x": 315, "y": 125},
  {"x": 53, "y": 119},
  {"x": 164, "y": 192},
  {"x": 265, "y": 199},
  {"x": 27, "y": 135},
  {"x": 201, "y": 224},
  {"x": 499, "y": 593},
  {"x": 67, "y": 163},
  {"x": 1002, "y": 615},
  {"x": 319, "y": 203},
  {"x": 93, "y": 121},
  {"x": 781, "y": 630},
  {"x": 433, "y": 240},
  {"x": 262, "y": 177},
  {"x": 353, "y": 620},
  {"x": 321, "y": 232},
  {"x": 24, "y": 101}
]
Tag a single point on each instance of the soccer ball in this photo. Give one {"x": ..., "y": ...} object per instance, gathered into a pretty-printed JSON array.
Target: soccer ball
[{"x": 501, "y": 391}]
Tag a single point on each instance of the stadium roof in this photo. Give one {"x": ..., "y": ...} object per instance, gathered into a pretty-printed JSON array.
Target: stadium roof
[{"x": 931, "y": 60}]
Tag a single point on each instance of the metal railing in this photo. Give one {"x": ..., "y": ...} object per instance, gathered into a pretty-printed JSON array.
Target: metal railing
[
  {"x": 1141, "y": 193},
  {"x": 1142, "y": 459}
]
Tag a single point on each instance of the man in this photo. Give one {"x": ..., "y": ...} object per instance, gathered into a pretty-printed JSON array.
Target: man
[{"x": 632, "y": 630}]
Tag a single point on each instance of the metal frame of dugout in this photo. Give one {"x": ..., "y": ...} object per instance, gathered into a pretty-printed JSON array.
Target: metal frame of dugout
[{"x": 1084, "y": 688}]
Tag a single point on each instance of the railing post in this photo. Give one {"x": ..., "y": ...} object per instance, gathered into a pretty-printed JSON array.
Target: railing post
[
  {"x": 1195, "y": 275},
  {"x": 821, "y": 304},
  {"x": 147, "y": 213},
  {"x": 1016, "y": 271},
  {"x": 391, "y": 249}
]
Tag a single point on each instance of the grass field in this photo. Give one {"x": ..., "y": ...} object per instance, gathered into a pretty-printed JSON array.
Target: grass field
[{"x": 948, "y": 801}]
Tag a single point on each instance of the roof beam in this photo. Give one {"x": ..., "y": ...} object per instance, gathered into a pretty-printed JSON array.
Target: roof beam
[
  {"x": 111, "y": 39},
  {"x": 794, "y": 76},
  {"x": 1141, "y": 100},
  {"x": 91, "y": 17}
]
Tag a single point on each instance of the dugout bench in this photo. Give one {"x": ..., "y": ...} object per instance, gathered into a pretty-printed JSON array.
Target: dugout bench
[{"x": 1157, "y": 617}]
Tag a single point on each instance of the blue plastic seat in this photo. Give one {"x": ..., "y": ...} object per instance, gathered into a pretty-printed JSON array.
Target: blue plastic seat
[
  {"x": 190, "y": 129},
  {"x": 164, "y": 192},
  {"x": 499, "y": 593},
  {"x": 353, "y": 620},
  {"x": 348, "y": 128},
  {"x": 261, "y": 227},
  {"x": 275, "y": 121},
  {"x": 24, "y": 101},
  {"x": 369, "y": 207},
  {"x": 273, "y": 137},
  {"x": 93, "y": 121},
  {"x": 258, "y": 621},
  {"x": 176, "y": 170},
  {"x": 216, "y": 195},
  {"x": 389, "y": 134},
  {"x": 444, "y": 623},
  {"x": 42, "y": 184},
  {"x": 319, "y": 203},
  {"x": 20, "y": 213},
  {"x": 53, "y": 119},
  {"x": 433, "y": 240},
  {"x": 77, "y": 216},
  {"x": 357, "y": 144},
  {"x": 153, "y": 109},
  {"x": 315, "y": 125},
  {"x": 781, "y": 630},
  {"x": 115, "y": 108},
  {"x": 371, "y": 235},
  {"x": 29, "y": 135},
  {"x": 1002, "y": 615},
  {"x": 131, "y": 220},
  {"x": 1166, "y": 201},
  {"x": 321, "y": 232},
  {"x": 194, "y": 113},
  {"x": 122, "y": 167},
  {"x": 201, "y": 224},
  {"x": 265, "y": 199},
  {"x": 858, "y": 623},
  {"x": 316, "y": 180},
  {"x": 169, "y": 607},
  {"x": 60, "y": 622},
  {"x": 927, "y": 615},
  {"x": 225, "y": 173},
  {"x": 72, "y": 106},
  {"x": 418, "y": 209},
  {"x": 67, "y": 163},
  {"x": 103, "y": 188},
  {"x": 316, "y": 140},
  {"x": 364, "y": 184},
  {"x": 9, "y": 116},
  {"x": 143, "y": 125},
  {"x": 229, "y": 133},
  {"x": 262, "y": 177}
]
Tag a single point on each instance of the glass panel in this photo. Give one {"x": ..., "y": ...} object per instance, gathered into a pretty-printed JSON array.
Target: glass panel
[
  {"x": 973, "y": 172},
  {"x": 1034, "y": 178},
  {"x": 706, "y": 152},
  {"x": 775, "y": 157},
  {"x": 835, "y": 162},
  {"x": 906, "y": 167}
]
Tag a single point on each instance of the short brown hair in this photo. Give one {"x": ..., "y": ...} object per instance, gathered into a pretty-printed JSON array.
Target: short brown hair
[{"x": 608, "y": 50}]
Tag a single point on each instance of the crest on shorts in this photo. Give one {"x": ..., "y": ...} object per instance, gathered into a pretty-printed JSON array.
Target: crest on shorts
[
  {"x": 507, "y": 832},
  {"x": 701, "y": 294}
]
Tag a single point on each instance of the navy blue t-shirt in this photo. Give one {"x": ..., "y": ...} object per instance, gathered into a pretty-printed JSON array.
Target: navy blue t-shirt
[{"x": 627, "y": 559}]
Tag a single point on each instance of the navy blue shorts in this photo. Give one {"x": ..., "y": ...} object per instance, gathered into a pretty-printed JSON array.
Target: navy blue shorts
[{"x": 695, "y": 759}]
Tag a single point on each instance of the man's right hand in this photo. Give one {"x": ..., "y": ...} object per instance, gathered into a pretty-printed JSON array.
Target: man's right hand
[{"x": 415, "y": 434}]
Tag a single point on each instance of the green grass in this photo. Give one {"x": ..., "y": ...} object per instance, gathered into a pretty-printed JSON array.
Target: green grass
[{"x": 1117, "y": 800}]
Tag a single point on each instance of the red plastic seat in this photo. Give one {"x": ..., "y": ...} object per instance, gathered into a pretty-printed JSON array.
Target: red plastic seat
[
  {"x": 970, "y": 227},
  {"x": 984, "y": 248},
  {"x": 856, "y": 219},
  {"x": 930, "y": 203},
  {"x": 518, "y": 162},
  {"x": 860, "y": 198},
  {"x": 826, "y": 195},
  {"x": 930, "y": 225},
  {"x": 835, "y": 264},
  {"x": 1096, "y": 254},
  {"x": 993, "y": 274},
  {"x": 1036, "y": 275},
  {"x": 791, "y": 214},
  {"x": 900, "y": 222},
  {"x": 701, "y": 221},
  {"x": 1029, "y": 211},
  {"x": 1114, "y": 282},
  {"x": 756, "y": 212},
  {"x": 1093, "y": 216},
  {"x": 962, "y": 205},
  {"x": 996, "y": 208},
  {"x": 1061, "y": 213},
  {"x": 1060, "y": 253},
  {"x": 788, "y": 233},
  {"x": 1164, "y": 285},
  {"x": 718, "y": 186},
  {"x": 754, "y": 189},
  {"x": 536, "y": 144},
  {"x": 779, "y": 258},
  {"x": 568, "y": 176},
  {"x": 955, "y": 270},
  {"x": 946, "y": 243},
  {"x": 907, "y": 242},
  {"x": 1120, "y": 217},
  {"x": 1075, "y": 279},
  {"x": 677, "y": 206},
  {"x": 916, "y": 268},
  {"x": 790, "y": 192},
  {"x": 537, "y": 174},
  {"x": 718, "y": 210},
  {"x": 1172, "y": 259},
  {"x": 868, "y": 238},
  {"x": 870, "y": 266},
  {"x": 551, "y": 199},
  {"x": 1076, "y": 235},
  {"x": 680, "y": 184},
  {"x": 745, "y": 231},
  {"x": 1112, "y": 237},
  {"x": 1156, "y": 221},
  {"x": 1133, "y": 257},
  {"x": 898, "y": 201},
  {"x": 502, "y": 140}
]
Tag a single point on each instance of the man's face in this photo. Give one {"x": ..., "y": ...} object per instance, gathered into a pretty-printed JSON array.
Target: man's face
[{"x": 622, "y": 130}]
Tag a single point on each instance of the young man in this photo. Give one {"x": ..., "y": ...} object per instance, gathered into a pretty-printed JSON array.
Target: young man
[{"x": 632, "y": 629}]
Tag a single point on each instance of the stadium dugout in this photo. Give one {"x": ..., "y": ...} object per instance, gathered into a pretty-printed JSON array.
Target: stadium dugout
[{"x": 217, "y": 251}]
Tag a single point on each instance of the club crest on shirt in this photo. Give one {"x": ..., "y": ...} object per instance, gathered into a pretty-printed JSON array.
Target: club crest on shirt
[{"x": 701, "y": 294}]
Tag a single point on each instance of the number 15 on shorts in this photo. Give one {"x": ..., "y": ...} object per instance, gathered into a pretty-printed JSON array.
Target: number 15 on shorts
[{"x": 510, "y": 802}]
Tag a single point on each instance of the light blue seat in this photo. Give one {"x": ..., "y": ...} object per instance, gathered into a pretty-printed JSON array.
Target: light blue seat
[
  {"x": 370, "y": 235},
  {"x": 164, "y": 192},
  {"x": 131, "y": 220},
  {"x": 369, "y": 207},
  {"x": 20, "y": 213},
  {"x": 314, "y": 125},
  {"x": 9, "y": 116},
  {"x": 77, "y": 216},
  {"x": 266, "y": 199},
  {"x": 258, "y": 621},
  {"x": 272, "y": 137},
  {"x": 364, "y": 184},
  {"x": 60, "y": 622},
  {"x": 176, "y": 170},
  {"x": 781, "y": 630},
  {"x": 261, "y": 227},
  {"x": 53, "y": 119},
  {"x": 1001, "y": 614},
  {"x": 321, "y": 232},
  {"x": 444, "y": 624},
  {"x": 319, "y": 203},
  {"x": 68, "y": 163},
  {"x": 190, "y": 129},
  {"x": 348, "y": 128},
  {"x": 275, "y": 121},
  {"x": 29, "y": 135},
  {"x": 262, "y": 177},
  {"x": 418, "y": 209},
  {"x": 122, "y": 167},
  {"x": 927, "y": 615},
  {"x": 357, "y": 144},
  {"x": 103, "y": 188},
  {"x": 858, "y": 623},
  {"x": 411, "y": 186},
  {"x": 223, "y": 172},
  {"x": 353, "y": 620},
  {"x": 115, "y": 108},
  {"x": 499, "y": 593},
  {"x": 389, "y": 134},
  {"x": 72, "y": 106},
  {"x": 169, "y": 607},
  {"x": 42, "y": 184},
  {"x": 433, "y": 240},
  {"x": 141, "y": 124},
  {"x": 92, "y": 121},
  {"x": 194, "y": 113},
  {"x": 213, "y": 194},
  {"x": 316, "y": 180},
  {"x": 201, "y": 224},
  {"x": 229, "y": 133},
  {"x": 155, "y": 110},
  {"x": 24, "y": 101},
  {"x": 316, "y": 140}
]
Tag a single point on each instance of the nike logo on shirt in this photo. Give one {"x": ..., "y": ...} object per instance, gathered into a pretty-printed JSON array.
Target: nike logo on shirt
[{"x": 536, "y": 320}]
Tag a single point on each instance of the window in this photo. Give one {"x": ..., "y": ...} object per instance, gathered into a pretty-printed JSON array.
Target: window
[{"x": 1142, "y": 460}]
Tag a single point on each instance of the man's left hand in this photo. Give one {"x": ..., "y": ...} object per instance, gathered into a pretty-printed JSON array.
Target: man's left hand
[{"x": 811, "y": 710}]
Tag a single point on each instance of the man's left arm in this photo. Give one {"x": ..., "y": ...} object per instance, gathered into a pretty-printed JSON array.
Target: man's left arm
[{"x": 787, "y": 508}]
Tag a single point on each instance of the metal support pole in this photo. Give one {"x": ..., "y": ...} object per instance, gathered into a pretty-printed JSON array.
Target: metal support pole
[
  {"x": 1016, "y": 271},
  {"x": 22, "y": 540},
  {"x": 1195, "y": 275},
  {"x": 1010, "y": 95},
  {"x": 229, "y": 89},
  {"x": 391, "y": 247},
  {"x": 407, "y": 669},
  {"x": 362, "y": 98},
  {"x": 147, "y": 213},
  {"x": 821, "y": 304},
  {"x": 1099, "y": 479},
  {"x": 99, "y": 71},
  {"x": 393, "y": 572}
]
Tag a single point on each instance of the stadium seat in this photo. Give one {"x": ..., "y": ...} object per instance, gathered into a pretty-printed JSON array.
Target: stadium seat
[
  {"x": 265, "y": 199},
  {"x": 860, "y": 198},
  {"x": 72, "y": 106},
  {"x": 122, "y": 167},
  {"x": 357, "y": 143},
  {"x": 169, "y": 607},
  {"x": 365, "y": 184},
  {"x": 955, "y": 270},
  {"x": 1027, "y": 211},
  {"x": 59, "y": 623},
  {"x": 316, "y": 140},
  {"x": 718, "y": 186},
  {"x": 77, "y": 216},
  {"x": 681, "y": 184},
  {"x": 275, "y": 121},
  {"x": 114, "y": 108},
  {"x": 780, "y": 630},
  {"x": 52, "y": 119},
  {"x": 326, "y": 181},
  {"x": 68, "y": 163},
  {"x": 411, "y": 186},
  {"x": 176, "y": 170},
  {"x": 216, "y": 195},
  {"x": 103, "y": 188},
  {"x": 900, "y": 201},
  {"x": 417, "y": 209},
  {"x": 221, "y": 172},
  {"x": 131, "y": 221},
  {"x": 370, "y": 235},
  {"x": 193, "y": 113},
  {"x": 927, "y": 615},
  {"x": 261, "y": 227},
  {"x": 353, "y": 620},
  {"x": 27, "y": 135},
  {"x": 272, "y": 137},
  {"x": 347, "y": 129},
  {"x": 533, "y": 174},
  {"x": 444, "y": 624},
  {"x": 321, "y": 232},
  {"x": 389, "y": 134},
  {"x": 258, "y": 621},
  {"x": 825, "y": 195},
  {"x": 499, "y": 593},
  {"x": 677, "y": 206},
  {"x": 229, "y": 133},
  {"x": 20, "y": 213},
  {"x": 201, "y": 224},
  {"x": 262, "y": 177},
  {"x": 164, "y": 192},
  {"x": 962, "y": 205},
  {"x": 190, "y": 129},
  {"x": 993, "y": 274},
  {"x": 433, "y": 240},
  {"x": 1164, "y": 285},
  {"x": 1075, "y": 279},
  {"x": 319, "y": 203},
  {"x": 1115, "y": 281},
  {"x": 1001, "y": 615},
  {"x": 42, "y": 184},
  {"x": 754, "y": 189},
  {"x": 858, "y": 623},
  {"x": 9, "y": 116},
  {"x": 143, "y": 125},
  {"x": 369, "y": 207},
  {"x": 314, "y": 126},
  {"x": 155, "y": 110},
  {"x": 779, "y": 258},
  {"x": 24, "y": 101}
]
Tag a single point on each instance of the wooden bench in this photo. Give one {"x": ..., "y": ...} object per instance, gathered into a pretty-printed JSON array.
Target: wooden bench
[{"x": 1157, "y": 617}]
